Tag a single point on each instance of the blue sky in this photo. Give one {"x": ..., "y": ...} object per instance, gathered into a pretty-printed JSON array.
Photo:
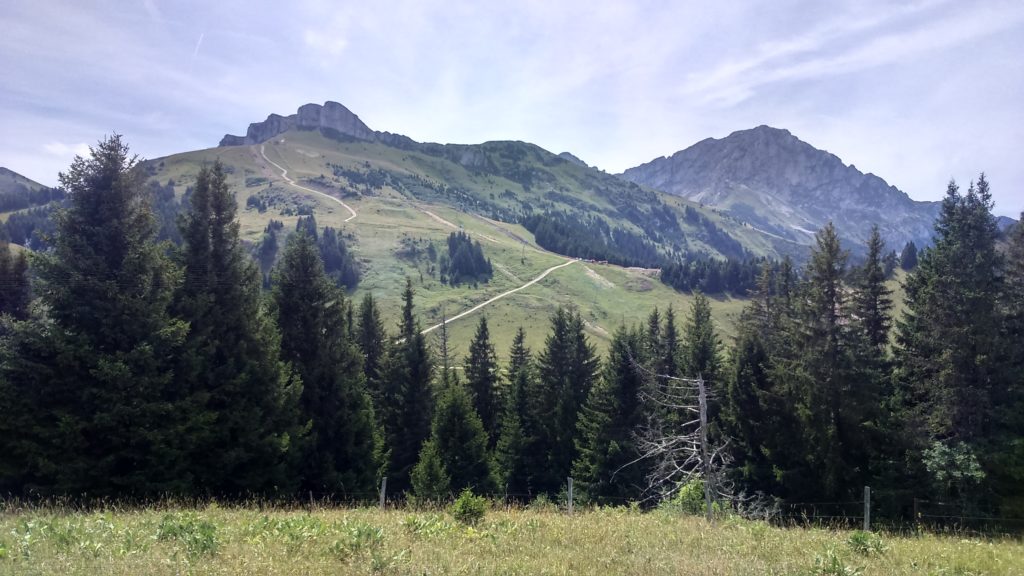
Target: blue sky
[{"x": 916, "y": 92}]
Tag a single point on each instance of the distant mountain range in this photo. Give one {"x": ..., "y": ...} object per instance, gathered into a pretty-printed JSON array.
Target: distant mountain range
[
  {"x": 756, "y": 193},
  {"x": 764, "y": 177},
  {"x": 780, "y": 184}
]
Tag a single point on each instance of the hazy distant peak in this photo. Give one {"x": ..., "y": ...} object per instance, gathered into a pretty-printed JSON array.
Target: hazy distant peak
[
  {"x": 776, "y": 182},
  {"x": 572, "y": 158}
]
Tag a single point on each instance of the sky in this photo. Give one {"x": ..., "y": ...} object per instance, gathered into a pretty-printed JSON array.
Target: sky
[{"x": 915, "y": 92}]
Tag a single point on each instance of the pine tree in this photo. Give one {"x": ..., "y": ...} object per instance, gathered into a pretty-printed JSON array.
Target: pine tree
[
  {"x": 94, "y": 409},
  {"x": 461, "y": 442},
  {"x": 607, "y": 467},
  {"x": 757, "y": 411},
  {"x": 406, "y": 399},
  {"x": 948, "y": 341},
  {"x": 702, "y": 350},
  {"x": 567, "y": 369},
  {"x": 869, "y": 312},
  {"x": 814, "y": 362},
  {"x": 908, "y": 257},
  {"x": 511, "y": 450},
  {"x": 243, "y": 399},
  {"x": 373, "y": 343},
  {"x": 482, "y": 377},
  {"x": 429, "y": 479},
  {"x": 341, "y": 455},
  {"x": 652, "y": 339},
  {"x": 872, "y": 304},
  {"x": 1008, "y": 441}
]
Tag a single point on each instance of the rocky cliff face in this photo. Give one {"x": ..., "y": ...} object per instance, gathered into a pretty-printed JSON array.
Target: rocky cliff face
[
  {"x": 780, "y": 184},
  {"x": 332, "y": 120}
]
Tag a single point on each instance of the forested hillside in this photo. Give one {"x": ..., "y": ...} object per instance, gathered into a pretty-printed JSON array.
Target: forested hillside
[{"x": 141, "y": 371}]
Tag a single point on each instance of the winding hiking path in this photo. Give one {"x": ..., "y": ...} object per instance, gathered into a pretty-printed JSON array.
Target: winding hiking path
[
  {"x": 455, "y": 227},
  {"x": 284, "y": 175},
  {"x": 541, "y": 276},
  {"x": 498, "y": 297}
]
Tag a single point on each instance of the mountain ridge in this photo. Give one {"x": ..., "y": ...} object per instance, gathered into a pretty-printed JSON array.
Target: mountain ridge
[{"x": 775, "y": 181}]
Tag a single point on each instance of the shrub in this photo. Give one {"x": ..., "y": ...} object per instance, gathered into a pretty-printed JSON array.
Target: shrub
[
  {"x": 832, "y": 565},
  {"x": 690, "y": 498},
  {"x": 199, "y": 536},
  {"x": 430, "y": 480},
  {"x": 467, "y": 508},
  {"x": 866, "y": 543}
]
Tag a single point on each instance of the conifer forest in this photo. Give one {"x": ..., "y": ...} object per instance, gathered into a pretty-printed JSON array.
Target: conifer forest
[{"x": 134, "y": 368}]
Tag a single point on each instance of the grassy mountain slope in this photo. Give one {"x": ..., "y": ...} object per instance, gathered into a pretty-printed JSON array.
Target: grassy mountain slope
[
  {"x": 18, "y": 192},
  {"x": 407, "y": 198},
  {"x": 11, "y": 181}
]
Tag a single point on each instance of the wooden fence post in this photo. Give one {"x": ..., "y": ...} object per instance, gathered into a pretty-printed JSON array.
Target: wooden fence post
[
  {"x": 867, "y": 508},
  {"x": 383, "y": 491},
  {"x": 570, "y": 495}
]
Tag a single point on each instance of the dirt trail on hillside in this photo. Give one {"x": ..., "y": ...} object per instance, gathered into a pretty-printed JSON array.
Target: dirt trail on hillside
[
  {"x": 498, "y": 297},
  {"x": 454, "y": 226},
  {"x": 284, "y": 175}
]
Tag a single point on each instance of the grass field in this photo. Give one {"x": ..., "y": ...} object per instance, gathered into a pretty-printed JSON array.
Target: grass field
[{"x": 237, "y": 541}]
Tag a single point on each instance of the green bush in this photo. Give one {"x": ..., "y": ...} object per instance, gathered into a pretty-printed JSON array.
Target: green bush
[
  {"x": 430, "y": 480},
  {"x": 467, "y": 508},
  {"x": 832, "y": 565},
  {"x": 198, "y": 535},
  {"x": 865, "y": 543},
  {"x": 690, "y": 498}
]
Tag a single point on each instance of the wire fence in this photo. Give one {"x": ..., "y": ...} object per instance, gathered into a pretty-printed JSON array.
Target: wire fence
[{"x": 902, "y": 514}]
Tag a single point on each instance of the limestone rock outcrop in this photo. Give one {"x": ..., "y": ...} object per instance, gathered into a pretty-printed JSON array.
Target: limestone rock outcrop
[{"x": 331, "y": 119}]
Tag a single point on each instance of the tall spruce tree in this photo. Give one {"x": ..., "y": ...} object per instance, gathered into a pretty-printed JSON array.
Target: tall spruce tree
[
  {"x": 406, "y": 397},
  {"x": 89, "y": 405},
  {"x": 608, "y": 468},
  {"x": 757, "y": 410},
  {"x": 949, "y": 376},
  {"x": 342, "y": 452},
  {"x": 243, "y": 400},
  {"x": 511, "y": 456},
  {"x": 1008, "y": 476},
  {"x": 373, "y": 343},
  {"x": 870, "y": 317},
  {"x": 458, "y": 435},
  {"x": 816, "y": 363},
  {"x": 948, "y": 340},
  {"x": 908, "y": 257},
  {"x": 872, "y": 303},
  {"x": 482, "y": 377},
  {"x": 567, "y": 369},
  {"x": 702, "y": 351}
]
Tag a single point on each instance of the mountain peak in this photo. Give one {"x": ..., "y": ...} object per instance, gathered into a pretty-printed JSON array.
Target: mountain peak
[
  {"x": 572, "y": 158},
  {"x": 331, "y": 119},
  {"x": 766, "y": 129},
  {"x": 778, "y": 183}
]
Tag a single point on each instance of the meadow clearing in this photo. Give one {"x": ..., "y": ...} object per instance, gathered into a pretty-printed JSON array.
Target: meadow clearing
[{"x": 172, "y": 540}]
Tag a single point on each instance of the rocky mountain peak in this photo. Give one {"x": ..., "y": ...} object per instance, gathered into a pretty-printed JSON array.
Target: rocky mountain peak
[
  {"x": 331, "y": 119},
  {"x": 572, "y": 158},
  {"x": 778, "y": 183}
]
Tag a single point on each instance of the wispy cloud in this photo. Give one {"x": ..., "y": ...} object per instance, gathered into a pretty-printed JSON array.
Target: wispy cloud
[
  {"x": 895, "y": 87},
  {"x": 847, "y": 45},
  {"x": 66, "y": 151}
]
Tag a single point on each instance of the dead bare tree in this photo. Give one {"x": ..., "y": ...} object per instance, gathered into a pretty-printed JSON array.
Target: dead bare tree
[{"x": 675, "y": 441}]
